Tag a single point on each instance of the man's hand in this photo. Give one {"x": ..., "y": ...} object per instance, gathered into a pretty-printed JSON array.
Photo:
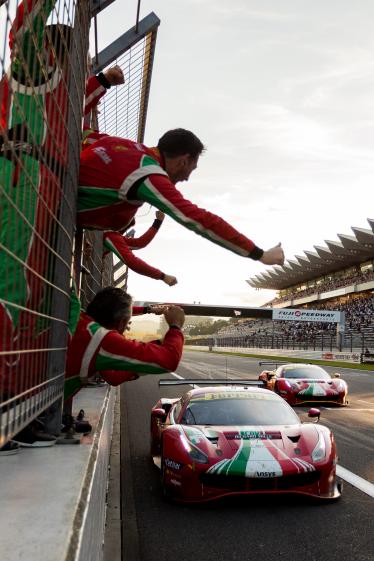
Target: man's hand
[
  {"x": 170, "y": 280},
  {"x": 273, "y": 256},
  {"x": 160, "y": 215},
  {"x": 174, "y": 315},
  {"x": 115, "y": 76}
]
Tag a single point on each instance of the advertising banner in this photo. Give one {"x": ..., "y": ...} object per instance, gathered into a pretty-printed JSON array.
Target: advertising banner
[{"x": 325, "y": 316}]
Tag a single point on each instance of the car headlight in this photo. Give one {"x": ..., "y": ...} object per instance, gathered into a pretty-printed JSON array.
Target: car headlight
[
  {"x": 341, "y": 386},
  {"x": 194, "y": 452},
  {"x": 319, "y": 452}
]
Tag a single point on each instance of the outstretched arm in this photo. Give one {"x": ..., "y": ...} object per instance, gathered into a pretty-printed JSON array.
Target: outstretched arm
[
  {"x": 160, "y": 192},
  {"x": 147, "y": 237},
  {"x": 116, "y": 243}
]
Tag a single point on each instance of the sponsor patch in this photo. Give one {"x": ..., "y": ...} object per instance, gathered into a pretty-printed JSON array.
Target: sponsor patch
[
  {"x": 103, "y": 154},
  {"x": 119, "y": 148},
  {"x": 265, "y": 474}
]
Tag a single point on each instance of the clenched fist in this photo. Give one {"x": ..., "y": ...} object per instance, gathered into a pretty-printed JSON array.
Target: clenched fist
[{"x": 170, "y": 280}]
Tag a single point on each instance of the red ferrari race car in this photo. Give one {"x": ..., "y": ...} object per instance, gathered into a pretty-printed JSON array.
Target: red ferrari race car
[
  {"x": 232, "y": 440},
  {"x": 305, "y": 383}
]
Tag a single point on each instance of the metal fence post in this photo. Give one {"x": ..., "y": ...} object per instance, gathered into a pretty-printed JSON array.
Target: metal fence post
[{"x": 67, "y": 214}]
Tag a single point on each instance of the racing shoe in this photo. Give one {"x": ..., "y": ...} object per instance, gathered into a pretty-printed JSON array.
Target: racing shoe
[
  {"x": 34, "y": 436},
  {"x": 78, "y": 424},
  {"x": 81, "y": 424}
]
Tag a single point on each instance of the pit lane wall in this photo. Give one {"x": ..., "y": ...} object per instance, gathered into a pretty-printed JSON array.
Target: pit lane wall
[{"x": 297, "y": 353}]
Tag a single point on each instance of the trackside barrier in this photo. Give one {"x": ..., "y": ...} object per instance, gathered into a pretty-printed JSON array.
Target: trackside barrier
[{"x": 316, "y": 355}]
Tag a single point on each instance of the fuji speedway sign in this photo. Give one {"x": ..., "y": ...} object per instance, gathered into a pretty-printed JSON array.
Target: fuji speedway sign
[{"x": 325, "y": 316}]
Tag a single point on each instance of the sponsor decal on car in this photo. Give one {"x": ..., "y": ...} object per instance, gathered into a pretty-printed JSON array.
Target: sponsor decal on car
[
  {"x": 175, "y": 482},
  {"x": 238, "y": 395},
  {"x": 172, "y": 464},
  {"x": 253, "y": 435},
  {"x": 259, "y": 461}
]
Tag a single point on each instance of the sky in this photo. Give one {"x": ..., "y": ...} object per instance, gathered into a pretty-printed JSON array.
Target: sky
[{"x": 282, "y": 95}]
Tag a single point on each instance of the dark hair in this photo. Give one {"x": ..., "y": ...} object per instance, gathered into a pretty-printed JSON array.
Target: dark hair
[
  {"x": 109, "y": 306},
  {"x": 178, "y": 142}
]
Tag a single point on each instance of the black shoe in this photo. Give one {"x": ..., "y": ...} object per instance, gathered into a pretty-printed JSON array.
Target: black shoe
[
  {"x": 9, "y": 449},
  {"x": 81, "y": 424},
  {"x": 33, "y": 436},
  {"x": 78, "y": 424}
]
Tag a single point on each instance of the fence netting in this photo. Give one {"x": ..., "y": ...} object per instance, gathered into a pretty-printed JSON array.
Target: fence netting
[
  {"x": 123, "y": 111},
  {"x": 44, "y": 65}
]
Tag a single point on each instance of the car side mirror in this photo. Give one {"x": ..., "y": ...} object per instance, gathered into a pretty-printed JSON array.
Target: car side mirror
[
  {"x": 336, "y": 375},
  {"x": 315, "y": 414},
  {"x": 159, "y": 413}
]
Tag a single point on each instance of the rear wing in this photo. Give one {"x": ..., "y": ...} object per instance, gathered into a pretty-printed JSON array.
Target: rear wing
[
  {"x": 272, "y": 363},
  {"x": 207, "y": 382}
]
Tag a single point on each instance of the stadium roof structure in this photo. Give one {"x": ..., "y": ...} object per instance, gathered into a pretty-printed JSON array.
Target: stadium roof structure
[{"x": 336, "y": 255}]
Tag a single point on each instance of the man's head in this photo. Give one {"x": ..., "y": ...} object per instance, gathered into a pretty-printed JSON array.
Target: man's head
[
  {"x": 112, "y": 308},
  {"x": 181, "y": 150}
]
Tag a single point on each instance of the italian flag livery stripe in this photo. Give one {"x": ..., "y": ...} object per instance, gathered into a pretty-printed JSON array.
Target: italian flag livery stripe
[
  {"x": 110, "y": 245},
  {"x": 258, "y": 459},
  {"x": 111, "y": 361}
]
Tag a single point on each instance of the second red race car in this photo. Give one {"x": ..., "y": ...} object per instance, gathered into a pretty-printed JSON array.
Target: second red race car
[
  {"x": 219, "y": 441},
  {"x": 300, "y": 383}
]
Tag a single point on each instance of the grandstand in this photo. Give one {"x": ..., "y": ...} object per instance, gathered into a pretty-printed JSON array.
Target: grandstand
[{"x": 338, "y": 276}]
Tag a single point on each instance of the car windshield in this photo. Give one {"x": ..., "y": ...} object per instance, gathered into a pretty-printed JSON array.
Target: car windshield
[
  {"x": 310, "y": 372},
  {"x": 250, "y": 409}
]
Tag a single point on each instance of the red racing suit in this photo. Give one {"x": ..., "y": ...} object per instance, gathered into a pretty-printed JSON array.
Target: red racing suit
[
  {"x": 94, "y": 348},
  {"x": 117, "y": 176},
  {"x": 121, "y": 246}
]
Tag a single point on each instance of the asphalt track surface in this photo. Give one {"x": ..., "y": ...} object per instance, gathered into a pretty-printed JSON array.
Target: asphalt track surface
[{"x": 246, "y": 528}]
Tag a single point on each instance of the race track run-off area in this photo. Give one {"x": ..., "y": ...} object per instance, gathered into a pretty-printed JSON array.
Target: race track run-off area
[{"x": 248, "y": 528}]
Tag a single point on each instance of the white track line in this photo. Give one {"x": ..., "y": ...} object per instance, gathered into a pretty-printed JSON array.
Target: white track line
[{"x": 356, "y": 481}]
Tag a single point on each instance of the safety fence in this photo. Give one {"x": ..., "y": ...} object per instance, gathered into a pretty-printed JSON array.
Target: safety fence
[{"x": 44, "y": 47}]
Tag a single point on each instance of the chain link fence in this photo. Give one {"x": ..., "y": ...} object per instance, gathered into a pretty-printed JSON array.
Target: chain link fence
[{"x": 43, "y": 65}]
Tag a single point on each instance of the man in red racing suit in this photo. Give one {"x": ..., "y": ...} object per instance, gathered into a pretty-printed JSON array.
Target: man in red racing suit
[
  {"x": 122, "y": 245},
  {"x": 117, "y": 176},
  {"x": 98, "y": 343}
]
